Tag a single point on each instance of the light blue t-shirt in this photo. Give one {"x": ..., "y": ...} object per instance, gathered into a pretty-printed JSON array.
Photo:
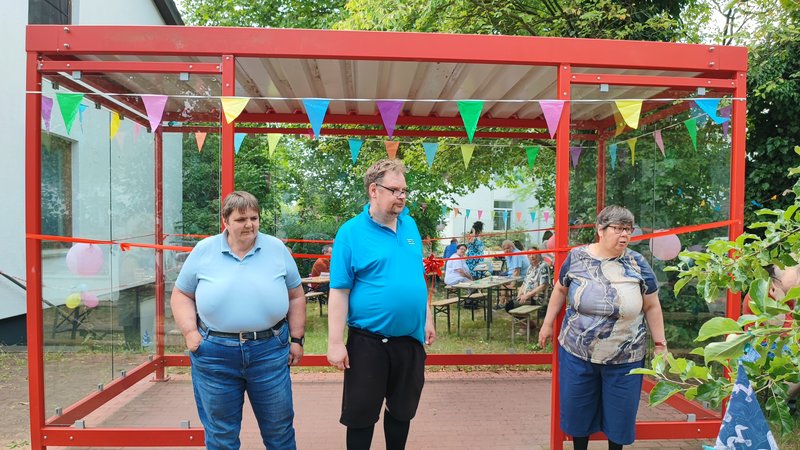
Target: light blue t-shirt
[
  {"x": 383, "y": 270},
  {"x": 518, "y": 261},
  {"x": 232, "y": 294}
]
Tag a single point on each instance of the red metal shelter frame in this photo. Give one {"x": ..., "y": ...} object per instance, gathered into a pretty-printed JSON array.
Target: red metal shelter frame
[{"x": 54, "y": 49}]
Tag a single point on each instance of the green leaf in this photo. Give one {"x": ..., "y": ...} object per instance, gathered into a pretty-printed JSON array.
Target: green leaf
[
  {"x": 643, "y": 371},
  {"x": 718, "y": 326},
  {"x": 680, "y": 284},
  {"x": 758, "y": 292},
  {"x": 662, "y": 391},
  {"x": 699, "y": 351},
  {"x": 698, "y": 372},
  {"x": 729, "y": 349}
]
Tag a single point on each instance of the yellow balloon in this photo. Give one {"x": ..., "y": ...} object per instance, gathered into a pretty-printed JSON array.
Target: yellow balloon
[{"x": 73, "y": 300}]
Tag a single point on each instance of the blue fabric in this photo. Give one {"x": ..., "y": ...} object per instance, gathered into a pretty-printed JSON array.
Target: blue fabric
[
  {"x": 475, "y": 248},
  {"x": 232, "y": 294},
  {"x": 450, "y": 250},
  {"x": 223, "y": 369},
  {"x": 598, "y": 397},
  {"x": 518, "y": 261},
  {"x": 384, "y": 272},
  {"x": 744, "y": 426},
  {"x": 604, "y": 321}
]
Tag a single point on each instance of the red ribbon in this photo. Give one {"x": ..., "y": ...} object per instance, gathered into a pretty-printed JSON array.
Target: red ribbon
[{"x": 433, "y": 265}]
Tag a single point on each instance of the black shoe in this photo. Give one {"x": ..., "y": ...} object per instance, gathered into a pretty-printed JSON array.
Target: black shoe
[{"x": 792, "y": 403}]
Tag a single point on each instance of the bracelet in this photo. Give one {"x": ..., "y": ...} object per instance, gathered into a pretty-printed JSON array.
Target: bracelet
[{"x": 661, "y": 343}]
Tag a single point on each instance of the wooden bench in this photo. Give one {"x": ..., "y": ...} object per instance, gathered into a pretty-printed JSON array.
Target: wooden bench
[
  {"x": 522, "y": 315},
  {"x": 443, "y": 306},
  {"x": 479, "y": 298},
  {"x": 320, "y": 297}
]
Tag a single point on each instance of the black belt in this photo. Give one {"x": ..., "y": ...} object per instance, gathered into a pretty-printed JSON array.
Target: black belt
[{"x": 246, "y": 335}]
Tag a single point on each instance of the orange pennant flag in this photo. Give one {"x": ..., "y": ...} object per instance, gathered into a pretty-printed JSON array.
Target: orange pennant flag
[
  {"x": 519, "y": 216},
  {"x": 200, "y": 138},
  {"x": 391, "y": 148}
]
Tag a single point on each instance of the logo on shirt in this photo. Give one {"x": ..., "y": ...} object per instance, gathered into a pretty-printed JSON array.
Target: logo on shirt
[{"x": 410, "y": 242}]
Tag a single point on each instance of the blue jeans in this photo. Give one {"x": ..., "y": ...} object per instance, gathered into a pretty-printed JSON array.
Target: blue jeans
[{"x": 223, "y": 369}]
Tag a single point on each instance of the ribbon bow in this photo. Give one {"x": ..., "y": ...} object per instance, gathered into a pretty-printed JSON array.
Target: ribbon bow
[{"x": 433, "y": 265}]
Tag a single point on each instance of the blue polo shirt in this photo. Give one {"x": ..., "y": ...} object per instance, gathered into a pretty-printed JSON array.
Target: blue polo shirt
[
  {"x": 518, "y": 261},
  {"x": 232, "y": 294},
  {"x": 384, "y": 272}
]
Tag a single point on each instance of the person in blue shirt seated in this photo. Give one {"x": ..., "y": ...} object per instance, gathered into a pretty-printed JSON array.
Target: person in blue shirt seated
[
  {"x": 378, "y": 290},
  {"x": 241, "y": 308},
  {"x": 517, "y": 266},
  {"x": 450, "y": 250}
]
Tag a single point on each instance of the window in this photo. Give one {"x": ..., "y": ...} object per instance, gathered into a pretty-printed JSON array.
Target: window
[
  {"x": 500, "y": 207},
  {"x": 50, "y": 12},
  {"x": 56, "y": 189}
]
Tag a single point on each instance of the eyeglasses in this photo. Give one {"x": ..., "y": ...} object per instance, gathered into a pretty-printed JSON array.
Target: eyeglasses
[
  {"x": 396, "y": 192},
  {"x": 619, "y": 230}
]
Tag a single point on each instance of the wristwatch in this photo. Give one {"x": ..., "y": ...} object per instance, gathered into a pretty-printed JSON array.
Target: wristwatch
[
  {"x": 301, "y": 340},
  {"x": 661, "y": 343}
]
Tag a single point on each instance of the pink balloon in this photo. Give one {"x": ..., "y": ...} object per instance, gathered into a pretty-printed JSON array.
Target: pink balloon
[
  {"x": 665, "y": 247},
  {"x": 85, "y": 259},
  {"x": 89, "y": 299}
]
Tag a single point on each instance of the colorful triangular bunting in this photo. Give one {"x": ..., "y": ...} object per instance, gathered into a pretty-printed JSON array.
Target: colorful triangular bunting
[
  {"x": 659, "y": 141},
  {"x": 200, "y": 138},
  {"x": 575, "y": 154},
  {"x": 430, "y": 151},
  {"x": 391, "y": 148},
  {"x": 612, "y": 153},
  {"x": 532, "y": 152},
  {"x": 389, "y": 111},
  {"x": 355, "y": 148},
  {"x": 114, "y": 125},
  {"x": 47, "y": 111},
  {"x": 272, "y": 142},
  {"x": 238, "y": 138},
  {"x": 709, "y": 106},
  {"x": 552, "y": 110},
  {"x": 68, "y": 105},
  {"x": 470, "y": 111},
  {"x": 233, "y": 106},
  {"x": 632, "y": 145},
  {"x": 154, "y": 105},
  {"x": 691, "y": 127},
  {"x": 630, "y": 110},
  {"x": 316, "y": 108},
  {"x": 466, "y": 153}
]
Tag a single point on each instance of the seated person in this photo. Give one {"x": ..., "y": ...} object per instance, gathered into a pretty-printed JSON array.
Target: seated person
[
  {"x": 450, "y": 250},
  {"x": 536, "y": 282},
  {"x": 322, "y": 266},
  {"x": 456, "y": 271},
  {"x": 517, "y": 264}
]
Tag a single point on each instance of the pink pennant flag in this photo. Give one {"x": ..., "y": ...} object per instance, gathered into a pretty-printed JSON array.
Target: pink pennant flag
[
  {"x": 725, "y": 112},
  {"x": 136, "y": 130},
  {"x": 519, "y": 216},
  {"x": 575, "y": 154},
  {"x": 201, "y": 139},
  {"x": 480, "y": 213},
  {"x": 659, "y": 141},
  {"x": 389, "y": 111},
  {"x": 546, "y": 215},
  {"x": 552, "y": 114},
  {"x": 154, "y": 105},
  {"x": 391, "y": 148},
  {"x": 47, "y": 111}
]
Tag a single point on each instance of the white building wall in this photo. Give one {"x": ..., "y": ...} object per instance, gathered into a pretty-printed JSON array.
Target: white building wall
[
  {"x": 483, "y": 200},
  {"x": 107, "y": 204}
]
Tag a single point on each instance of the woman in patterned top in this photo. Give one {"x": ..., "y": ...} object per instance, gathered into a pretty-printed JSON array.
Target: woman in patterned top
[
  {"x": 610, "y": 292},
  {"x": 475, "y": 247}
]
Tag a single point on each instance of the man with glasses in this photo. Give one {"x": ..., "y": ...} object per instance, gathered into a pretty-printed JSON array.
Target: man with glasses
[{"x": 378, "y": 289}]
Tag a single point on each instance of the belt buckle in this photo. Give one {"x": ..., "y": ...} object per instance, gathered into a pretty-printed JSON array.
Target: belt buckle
[{"x": 245, "y": 336}]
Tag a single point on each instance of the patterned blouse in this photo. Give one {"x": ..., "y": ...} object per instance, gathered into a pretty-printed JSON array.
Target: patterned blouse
[
  {"x": 604, "y": 323},
  {"x": 536, "y": 276},
  {"x": 474, "y": 248}
]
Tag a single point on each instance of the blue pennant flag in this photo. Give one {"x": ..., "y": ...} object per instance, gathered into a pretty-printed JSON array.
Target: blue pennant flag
[
  {"x": 81, "y": 109},
  {"x": 316, "y": 109},
  {"x": 238, "y": 138},
  {"x": 430, "y": 151},
  {"x": 709, "y": 106},
  {"x": 533, "y": 216},
  {"x": 612, "y": 152},
  {"x": 744, "y": 426},
  {"x": 355, "y": 147},
  {"x": 505, "y": 216}
]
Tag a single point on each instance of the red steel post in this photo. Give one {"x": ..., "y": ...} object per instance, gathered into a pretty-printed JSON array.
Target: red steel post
[
  {"x": 158, "y": 144},
  {"x": 227, "y": 129},
  {"x": 738, "y": 136}
]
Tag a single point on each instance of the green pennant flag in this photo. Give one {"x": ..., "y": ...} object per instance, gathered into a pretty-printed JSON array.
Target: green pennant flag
[
  {"x": 68, "y": 104},
  {"x": 532, "y": 152},
  {"x": 470, "y": 111},
  {"x": 466, "y": 153},
  {"x": 691, "y": 126}
]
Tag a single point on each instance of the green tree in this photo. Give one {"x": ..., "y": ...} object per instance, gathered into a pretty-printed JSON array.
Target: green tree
[{"x": 264, "y": 13}]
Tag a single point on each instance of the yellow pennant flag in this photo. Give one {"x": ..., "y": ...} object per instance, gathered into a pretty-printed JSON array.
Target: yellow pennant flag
[
  {"x": 115, "y": 121},
  {"x": 233, "y": 106},
  {"x": 632, "y": 145},
  {"x": 630, "y": 111},
  {"x": 272, "y": 139},
  {"x": 466, "y": 152},
  {"x": 619, "y": 123}
]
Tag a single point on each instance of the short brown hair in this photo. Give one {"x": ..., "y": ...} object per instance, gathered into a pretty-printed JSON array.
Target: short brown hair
[
  {"x": 240, "y": 201},
  {"x": 378, "y": 170},
  {"x": 614, "y": 214}
]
